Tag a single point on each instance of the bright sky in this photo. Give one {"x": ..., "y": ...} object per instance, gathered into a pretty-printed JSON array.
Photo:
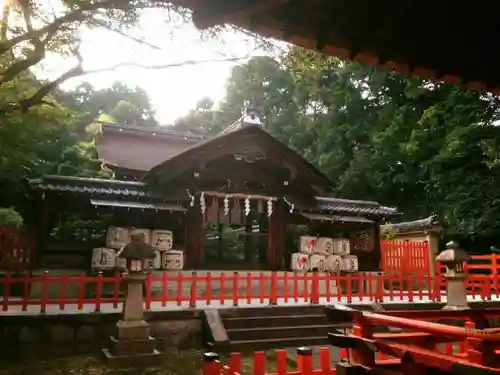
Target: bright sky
[{"x": 173, "y": 91}]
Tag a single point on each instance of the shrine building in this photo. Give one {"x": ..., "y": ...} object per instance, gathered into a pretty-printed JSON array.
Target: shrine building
[{"x": 180, "y": 182}]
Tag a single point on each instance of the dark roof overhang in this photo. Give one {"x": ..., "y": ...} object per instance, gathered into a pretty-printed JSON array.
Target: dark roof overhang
[{"x": 382, "y": 33}]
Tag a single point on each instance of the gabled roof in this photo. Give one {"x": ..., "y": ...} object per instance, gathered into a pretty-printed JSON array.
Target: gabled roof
[
  {"x": 140, "y": 148},
  {"x": 384, "y": 33},
  {"x": 228, "y": 143}
]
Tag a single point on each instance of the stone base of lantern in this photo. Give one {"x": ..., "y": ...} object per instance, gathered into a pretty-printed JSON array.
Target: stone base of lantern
[{"x": 133, "y": 347}]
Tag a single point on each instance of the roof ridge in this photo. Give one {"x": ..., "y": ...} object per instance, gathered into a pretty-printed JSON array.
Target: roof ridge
[{"x": 160, "y": 129}]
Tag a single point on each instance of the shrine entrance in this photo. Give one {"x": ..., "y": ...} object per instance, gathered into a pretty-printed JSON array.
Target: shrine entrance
[
  {"x": 236, "y": 231},
  {"x": 235, "y": 247},
  {"x": 239, "y": 180}
]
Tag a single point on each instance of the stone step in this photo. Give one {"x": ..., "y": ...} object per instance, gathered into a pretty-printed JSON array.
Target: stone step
[
  {"x": 246, "y": 346},
  {"x": 274, "y": 321},
  {"x": 274, "y": 311},
  {"x": 284, "y": 333}
]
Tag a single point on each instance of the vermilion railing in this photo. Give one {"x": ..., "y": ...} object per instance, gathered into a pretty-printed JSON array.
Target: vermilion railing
[
  {"x": 278, "y": 362},
  {"x": 418, "y": 343},
  {"x": 181, "y": 289}
]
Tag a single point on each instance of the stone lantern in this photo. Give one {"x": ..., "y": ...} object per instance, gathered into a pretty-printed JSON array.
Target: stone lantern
[
  {"x": 453, "y": 258},
  {"x": 133, "y": 344}
]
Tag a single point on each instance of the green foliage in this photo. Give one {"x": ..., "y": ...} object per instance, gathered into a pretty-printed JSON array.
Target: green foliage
[
  {"x": 116, "y": 104},
  {"x": 425, "y": 147},
  {"x": 47, "y": 139},
  {"x": 10, "y": 218}
]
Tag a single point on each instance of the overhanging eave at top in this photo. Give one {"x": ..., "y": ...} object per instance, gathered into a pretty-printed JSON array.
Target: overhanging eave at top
[{"x": 382, "y": 33}]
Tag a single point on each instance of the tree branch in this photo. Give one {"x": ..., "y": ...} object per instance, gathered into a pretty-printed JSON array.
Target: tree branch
[
  {"x": 77, "y": 71},
  {"x": 75, "y": 15},
  {"x": 38, "y": 96},
  {"x": 121, "y": 33}
]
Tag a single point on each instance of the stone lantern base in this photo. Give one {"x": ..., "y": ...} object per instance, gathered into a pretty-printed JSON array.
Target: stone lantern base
[
  {"x": 132, "y": 353},
  {"x": 133, "y": 345}
]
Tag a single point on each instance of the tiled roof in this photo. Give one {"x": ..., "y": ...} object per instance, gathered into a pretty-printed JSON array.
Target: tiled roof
[
  {"x": 354, "y": 207},
  {"x": 89, "y": 186},
  {"x": 161, "y": 131},
  {"x": 139, "y": 189},
  {"x": 430, "y": 222}
]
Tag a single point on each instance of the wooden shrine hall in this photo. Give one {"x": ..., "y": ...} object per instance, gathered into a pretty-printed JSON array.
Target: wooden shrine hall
[{"x": 242, "y": 177}]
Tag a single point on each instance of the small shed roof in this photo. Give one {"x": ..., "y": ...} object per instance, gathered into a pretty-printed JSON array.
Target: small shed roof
[{"x": 430, "y": 223}]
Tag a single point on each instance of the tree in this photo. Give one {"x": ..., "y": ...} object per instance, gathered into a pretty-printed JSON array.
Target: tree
[
  {"x": 121, "y": 103},
  {"x": 47, "y": 139},
  {"x": 31, "y": 30},
  {"x": 419, "y": 145}
]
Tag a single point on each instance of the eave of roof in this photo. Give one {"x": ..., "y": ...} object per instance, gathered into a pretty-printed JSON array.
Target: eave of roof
[
  {"x": 344, "y": 37},
  {"x": 89, "y": 186},
  {"x": 428, "y": 223},
  {"x": 94, "y": 186},
  {"x": 355, "y": 207}
]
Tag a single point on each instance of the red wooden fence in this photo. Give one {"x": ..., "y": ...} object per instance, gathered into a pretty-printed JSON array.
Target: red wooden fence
[
  {"x": 181, "y": 290},
  {"x": 405, "y": 257}
]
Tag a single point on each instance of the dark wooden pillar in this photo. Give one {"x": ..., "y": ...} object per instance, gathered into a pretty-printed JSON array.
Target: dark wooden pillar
[
  {"x": 194, "y": 237},
  {"x": 249, "y": 243},
  {"x": 276, "y": 235}
]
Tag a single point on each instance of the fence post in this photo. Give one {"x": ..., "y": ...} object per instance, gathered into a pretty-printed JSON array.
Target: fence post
[
  {"x": 273, "y": 295},
  {"x": 304, "y": 360},
  {"x": 211, "y": 364},
  {"x": 193, "y": 289},
  {"x": 315, "y": 288}
]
